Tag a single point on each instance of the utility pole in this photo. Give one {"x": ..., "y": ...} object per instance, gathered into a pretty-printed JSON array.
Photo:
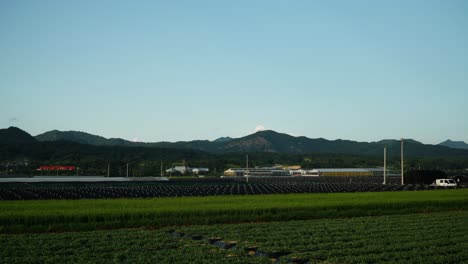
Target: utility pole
[
  {"x": 108, "y": 169},
  {"x": 161, "y": 169},
  {"x": 247, "y": 167},
  {"x": 402, "y": 165},
  {"x": 127, "y": 169},
  {"x": 385, "y": 166}
]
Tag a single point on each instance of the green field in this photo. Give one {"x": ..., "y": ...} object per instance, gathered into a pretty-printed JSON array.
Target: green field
[
  {"x": 385, "y": 227},
  {"x": 414, "y": 238},
  {"x": 79, "y": 215}
]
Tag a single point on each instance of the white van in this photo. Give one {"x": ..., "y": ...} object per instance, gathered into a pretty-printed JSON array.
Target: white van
[{"x": 445, "y": 183}]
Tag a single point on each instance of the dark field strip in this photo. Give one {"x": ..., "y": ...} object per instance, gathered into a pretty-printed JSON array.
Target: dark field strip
[
  {"x": 115, "y": 246},
  {"x": 414, "y": 238},
  {"x": 74, "y": 191},
  {"x": 79, "y": 215}
]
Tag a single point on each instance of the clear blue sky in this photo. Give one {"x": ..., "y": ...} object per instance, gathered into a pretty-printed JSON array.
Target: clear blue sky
[{"x": 183, "y": 70}]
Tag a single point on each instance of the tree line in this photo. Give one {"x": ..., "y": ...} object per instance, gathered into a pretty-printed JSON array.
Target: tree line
[{"x": 25, "y": 158}]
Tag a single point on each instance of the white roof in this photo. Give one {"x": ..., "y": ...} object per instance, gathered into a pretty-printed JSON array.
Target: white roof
[{"x": 347, "y": 169}]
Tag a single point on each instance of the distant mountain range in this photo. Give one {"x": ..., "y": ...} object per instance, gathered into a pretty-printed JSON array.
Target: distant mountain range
[
  {"x": 265, "y": 148},
  {"x": 223, "y": 139},
  {"x": 84, "y": 138},
  {"x": 454, "y": 144},
  {"x": 262, "y": 141},
  {"x": 15, "y": 135}
]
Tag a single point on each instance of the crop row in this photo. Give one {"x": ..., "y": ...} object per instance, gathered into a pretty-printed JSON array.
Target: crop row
[
  {"x": 44, "y": 192},
  {"x": 76, "y": 215},
  {"x": 414, "y": 238},
  {"x": 417, "y": 238},
  {"x": 115, "y": 246},
  {"x": 329, "y": 179}
]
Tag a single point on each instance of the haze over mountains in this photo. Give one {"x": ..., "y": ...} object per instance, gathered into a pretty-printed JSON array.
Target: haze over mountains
[{"x": 262, "y": 141}]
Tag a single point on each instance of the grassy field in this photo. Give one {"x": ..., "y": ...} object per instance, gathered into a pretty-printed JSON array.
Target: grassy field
[
  {"x": 78, "y": 215},
  {"x": 413, "y": 238}
]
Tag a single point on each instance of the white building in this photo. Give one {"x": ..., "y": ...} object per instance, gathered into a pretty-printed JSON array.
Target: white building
[
  {"x": 200, "y": 171},
  {"x": 256, "y": 172},
  {"x": 345, "y": 172},
  {"x": 185, "y": 170}
]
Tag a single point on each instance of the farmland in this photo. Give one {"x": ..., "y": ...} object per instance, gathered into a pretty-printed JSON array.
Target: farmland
[
  {"x": 365, "y": 227},
  {"x": 77, "y": 215},
  {"x": 208, "y": 187},
  {"x": 396, "y": 239},
  {"x": 413, "y": 238}
]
